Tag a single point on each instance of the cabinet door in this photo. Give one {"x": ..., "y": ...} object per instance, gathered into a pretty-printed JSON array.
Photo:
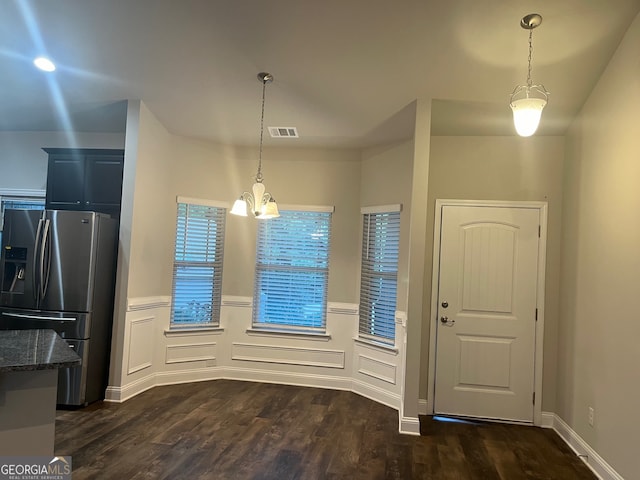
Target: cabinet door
[
  {"x": 103, "y": 182},
  {"x": 65, "y": 182}
]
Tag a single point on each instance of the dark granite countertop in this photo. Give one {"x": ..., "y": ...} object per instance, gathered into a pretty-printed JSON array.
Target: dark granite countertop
[{"x": 23, "y": 350}]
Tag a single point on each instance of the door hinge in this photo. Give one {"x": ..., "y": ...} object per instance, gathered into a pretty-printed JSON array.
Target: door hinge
[
  {"x": 534, "y": 398},
  {"x": 539, "y": 231},
  {"x": 536, "y": 314}
]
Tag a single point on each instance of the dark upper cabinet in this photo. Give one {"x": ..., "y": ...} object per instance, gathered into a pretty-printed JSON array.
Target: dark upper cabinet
[{"x": 84, "y": 179}]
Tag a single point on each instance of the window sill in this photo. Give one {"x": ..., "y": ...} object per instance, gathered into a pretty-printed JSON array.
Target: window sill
[
  {"x": 377, "y": 346},
  {"x": 323, "y": 337},
  {"x": 191, "y": 331}
]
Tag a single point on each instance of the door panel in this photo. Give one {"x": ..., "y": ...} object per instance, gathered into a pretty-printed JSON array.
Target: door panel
[
  {"x": 71, "y": 261},
  {"x": 65, "y": 180},
  {"x": 486, "y": 333},
  {"x": 72, "y": 380},
  {"x": 18, "y": 281}
]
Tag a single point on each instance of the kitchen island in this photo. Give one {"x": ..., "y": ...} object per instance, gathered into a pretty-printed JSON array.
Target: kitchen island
[{"x": 29, "y": 363}]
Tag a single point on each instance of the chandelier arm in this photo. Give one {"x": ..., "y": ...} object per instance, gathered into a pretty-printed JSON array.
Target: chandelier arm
[
  {"x": 528, "y": 88},
  {"x": 248, "y": 197}
]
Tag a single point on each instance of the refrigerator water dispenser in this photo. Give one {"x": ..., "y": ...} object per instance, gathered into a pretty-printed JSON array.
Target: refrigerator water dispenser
[{"x": 14, "y": 270}]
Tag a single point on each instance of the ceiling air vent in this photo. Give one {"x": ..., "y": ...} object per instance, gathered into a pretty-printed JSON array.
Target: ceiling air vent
[{"x": 283, "y": 132}]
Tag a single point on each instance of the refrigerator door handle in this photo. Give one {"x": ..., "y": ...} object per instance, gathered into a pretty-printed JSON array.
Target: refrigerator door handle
[
  {"x": 39, "y": 317},
  {"x": 36, "y": 263},
  {"x": 45, "y": 258}
]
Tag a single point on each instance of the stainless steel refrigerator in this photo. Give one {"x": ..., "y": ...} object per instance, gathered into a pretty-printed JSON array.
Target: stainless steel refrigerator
[{"x": 57, "y": 270}]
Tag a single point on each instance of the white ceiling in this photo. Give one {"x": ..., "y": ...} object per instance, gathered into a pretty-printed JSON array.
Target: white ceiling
[{"x": 346, "y": 71}]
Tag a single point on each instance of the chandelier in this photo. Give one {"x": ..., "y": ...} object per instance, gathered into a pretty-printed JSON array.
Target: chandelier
[
  {"x": 527, "y": 101},
  {"x": 261, "y": 204}
]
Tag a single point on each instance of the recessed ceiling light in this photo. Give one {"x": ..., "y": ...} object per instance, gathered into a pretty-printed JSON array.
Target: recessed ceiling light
[{"x": 44, "y": 64}]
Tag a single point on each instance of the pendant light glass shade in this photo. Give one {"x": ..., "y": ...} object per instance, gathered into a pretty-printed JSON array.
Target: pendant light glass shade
[
  {"x": 239, "y": 207},
  {"x": 526, "y": 115},
  {"x": 269, "y": 210},
  {"x": 527, "y": 110}
]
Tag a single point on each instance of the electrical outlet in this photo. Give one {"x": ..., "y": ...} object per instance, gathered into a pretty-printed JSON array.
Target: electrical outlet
[{"x": 591, "y": 415}]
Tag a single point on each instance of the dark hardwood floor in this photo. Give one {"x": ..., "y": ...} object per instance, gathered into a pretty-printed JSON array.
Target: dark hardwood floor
[{"x": 241, "y": 430}]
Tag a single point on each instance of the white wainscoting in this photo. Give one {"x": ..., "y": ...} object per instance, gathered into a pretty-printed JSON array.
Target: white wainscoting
[
  {"x": 154, "y": 355},
  {"x": 376, "y": 368},
  {"x": 191, "y": 352},
  {"x": 313, "y": 357},
  {"x": 141, "y": 343}
]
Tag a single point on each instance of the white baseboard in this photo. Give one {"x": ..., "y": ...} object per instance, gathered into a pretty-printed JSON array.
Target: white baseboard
[
  {"x": 589, "y": 456},
  {"x": 125, "y": 392},
  {"x": 547, "y": 419},
  {"x": 175, "y": 377},
  {"x": 376, "y": 394},
  {"x": 409, "y": 425},
  {"x": 286, "y": 378}
]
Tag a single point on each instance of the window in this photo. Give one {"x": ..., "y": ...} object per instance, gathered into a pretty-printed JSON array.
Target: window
[
  {"x": 19, "y": 201},
  {"x": 197, "y": 265},
  {"x": 292, "y": 267},
  {"x": 379, "y": 273}
]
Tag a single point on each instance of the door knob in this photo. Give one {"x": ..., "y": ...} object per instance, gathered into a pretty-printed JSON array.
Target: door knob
[{"x": 446, "y": 321}]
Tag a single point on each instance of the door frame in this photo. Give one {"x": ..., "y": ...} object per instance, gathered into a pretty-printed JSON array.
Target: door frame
[{"x": 539, "y": 332}]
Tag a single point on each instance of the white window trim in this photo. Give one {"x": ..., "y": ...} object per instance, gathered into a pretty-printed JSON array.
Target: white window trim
[
  {"x": 202, "y": 201},
  {"x": 17, "y": 192},
  {"x": 381, "y": 209},
  {"x": 308, "y": 208}
]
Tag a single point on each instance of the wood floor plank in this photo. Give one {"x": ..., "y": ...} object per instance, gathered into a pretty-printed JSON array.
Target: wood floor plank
[{"x": 234, "y": 430}]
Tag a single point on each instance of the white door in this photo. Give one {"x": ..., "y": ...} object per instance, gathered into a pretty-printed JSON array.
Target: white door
[{"x": 485, "y": 345}]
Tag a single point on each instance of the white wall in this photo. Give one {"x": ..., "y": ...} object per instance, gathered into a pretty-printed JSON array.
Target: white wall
[
  {"x": 385, "y": 179},
  {"x": 504, "y": 168},
  {"x": 598, "y": 353},
  {"x": 23, "y": 163},
  {"x": 145, "y": 353}
]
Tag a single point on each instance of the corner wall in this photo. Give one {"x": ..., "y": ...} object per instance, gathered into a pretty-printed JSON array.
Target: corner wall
[
  {"x": 598, "y": 353},
  {"x": 159, "y": 167}
]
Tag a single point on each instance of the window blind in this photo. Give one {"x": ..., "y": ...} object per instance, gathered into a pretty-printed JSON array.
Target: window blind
[
  {"x": 379, "y": 276},
  {"x": 197, "y": 266},
  {"x": 292, "y": 267}
]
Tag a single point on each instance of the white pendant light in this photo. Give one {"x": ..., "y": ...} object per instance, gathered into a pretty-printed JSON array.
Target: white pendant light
[
  {"x": 528, "y": 101},
  {"x": 261, "y": 204}
]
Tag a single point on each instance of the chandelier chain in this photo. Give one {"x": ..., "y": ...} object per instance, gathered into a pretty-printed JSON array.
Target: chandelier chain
[
  {"x": 529, "y": 83},
  {"x": 259, "y": 175}
]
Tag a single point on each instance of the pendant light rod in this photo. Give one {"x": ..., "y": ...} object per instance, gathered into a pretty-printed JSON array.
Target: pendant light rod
[
  {"x": 529, "y": 22},
  {"x": 265, "y": 78}
]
